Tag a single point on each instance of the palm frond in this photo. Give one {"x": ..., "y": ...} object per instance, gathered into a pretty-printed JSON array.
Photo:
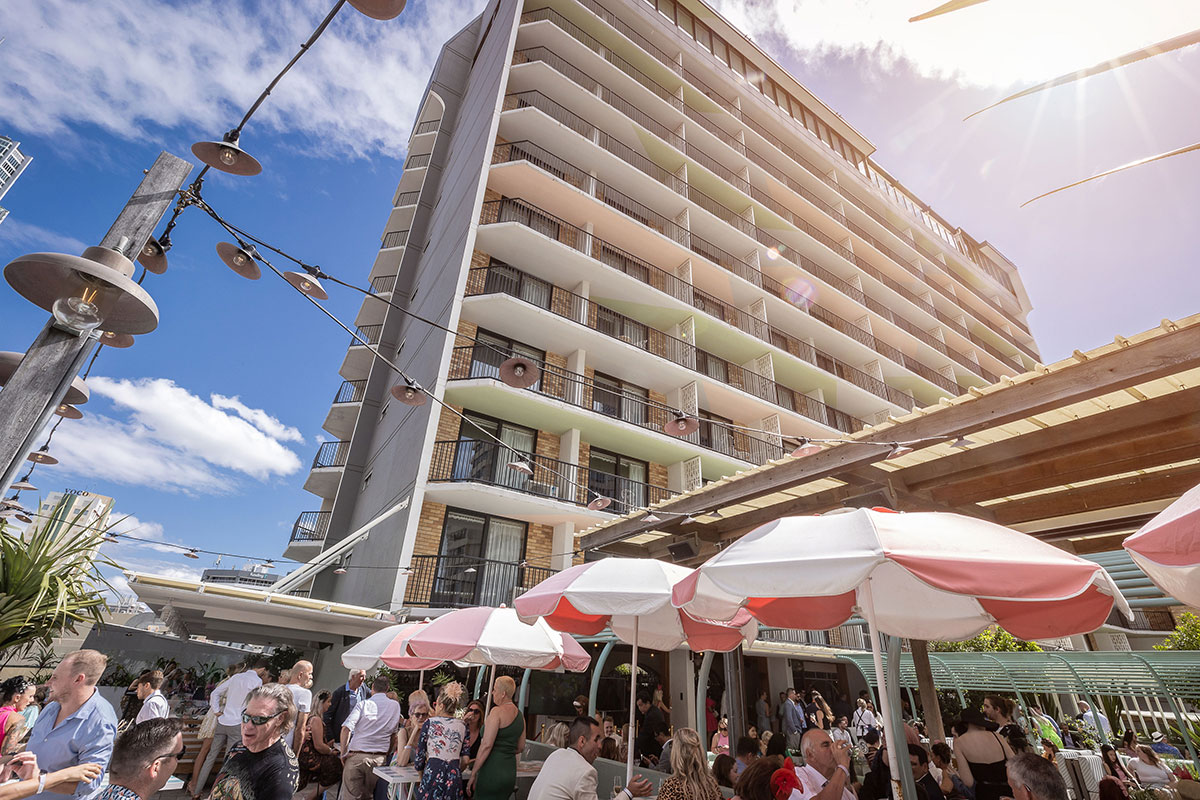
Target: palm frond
[
  {"x": 1178, "y": 152},
  {"x": 1165, "y": 46},
  {"x": 946, "y": 8}
]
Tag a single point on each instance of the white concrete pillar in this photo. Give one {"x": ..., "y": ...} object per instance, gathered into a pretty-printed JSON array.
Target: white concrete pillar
[
  {"x": 683, "y": 689},
  {"x": 563, "y": 544}
]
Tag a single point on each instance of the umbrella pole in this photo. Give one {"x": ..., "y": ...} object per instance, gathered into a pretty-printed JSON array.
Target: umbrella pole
[
  {"x": 421, "y": 680},
  {"x": 488, "y": 691},
  {"x": 632, "y": 700},
  {"x": 867, "y": 601}
]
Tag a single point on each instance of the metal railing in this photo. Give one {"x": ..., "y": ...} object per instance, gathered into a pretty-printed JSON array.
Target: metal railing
[
  {"x": 588, "y": 82},
  {"x": 394, "y": 239},
  {"x": 503, "y": 279},
  {"x": 371, "y": 333},
  {"x": 461, "y": 581},
  {"x": 476, "y": 461},
  {"x": 418, "y": 160},
  {"x": 428, "y": 126},
  {"x": 731, "y": 108},
  {"x": 331, "y": 454},
  {"x": 350, "y": 392},
  {"x": 852, "y": 637},
  {"x": 543, "y": 159},
  {"x": 478, "y": 361},
  {"x": 311, "y": 526},
  {"x": 383, "y": 284},
  {"x": 407, "y": 198}
]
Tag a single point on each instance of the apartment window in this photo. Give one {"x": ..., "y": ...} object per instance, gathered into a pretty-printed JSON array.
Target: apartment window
[
  {"x": 704, "y": 37},
  {"x": 503, "y": 278},
  {"x": 492, "y": 350},
  {"x": 619, "y": 477},
  {"x": 719, "y": 49},
  {"x": 685, "y": 21},
  {"x": 478, "y": 457},
  {"x": 715, "y": 433},
  {"x": 616, "y": 398},
  {"x": 667, "y": 9},
  {"x": 736, "y": 63},
  {"x": 621, "y": 327},
  {"x": 492, "y": 547}
]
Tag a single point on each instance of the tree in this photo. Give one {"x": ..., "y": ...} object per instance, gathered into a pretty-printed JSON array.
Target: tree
[
  {"x": 50, "y": 579},
  {"x": 1186, "y": 635},
  {"x": 992, "y": 640}
]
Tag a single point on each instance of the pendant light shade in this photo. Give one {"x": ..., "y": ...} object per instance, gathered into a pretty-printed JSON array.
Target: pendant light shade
[
  {"x": 110, "y": 339},
  {"x": 24, "y": 485},
  {"x": 153, "y": 257},
  {"x": 806, "y": 448},
  {"x": 522, "y": 467},
  {"x": 379, "y": 9},
  {"x": 307, "y": 284},
  {"x": 227, "y": 156},
  {"x": 191, "y": 553},
  {"x": 42, "y": 456},
  {"x": 23, "y": 518},
  {"x": 519, "y": 372},
  {"x": 410, "y": 394},
  {"x": 240, "y": 261},
  {"x": 68, "y": 411},
  {"x": 600, "y": 503},
  {"x": 897, "y": 451},
  {"x": 681, "y": 426}
]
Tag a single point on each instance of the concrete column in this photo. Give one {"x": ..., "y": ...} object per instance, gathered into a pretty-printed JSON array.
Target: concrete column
[
  {"x": 562, "y": 544},
  {"x": 683, "y": 689},
  {"x": 576, "y": 363}
]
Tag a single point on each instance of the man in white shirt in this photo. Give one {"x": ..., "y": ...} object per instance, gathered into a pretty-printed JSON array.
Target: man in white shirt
[
  {"x": 368, "y": 737},
  {"x": 229, "y": 724},
  {"x": 1096, "y": 719},
  {"x": 298, "y": 684},
  {"x": 568, "y": 774},
  {"x": 154, "y": 704},
  {"x": 826, "y": 771}
]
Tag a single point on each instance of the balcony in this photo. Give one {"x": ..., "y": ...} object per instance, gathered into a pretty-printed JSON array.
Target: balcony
[
  {"x": 547, "y": 162},
  {"x": 573, "y": 389},
  {"x": 850, "y": 637},
  {"x": 327, "y": 468},
  {"x": 308, "y": 535},
  {"x": 464, "y": 581},
  {"x": 357, "y": 362},
  {"x": 586, "y": 80},
  {"x": 343, "y": 414},
  {"x": 488, "y": 463},
  {"x": 579, "y": 310}
]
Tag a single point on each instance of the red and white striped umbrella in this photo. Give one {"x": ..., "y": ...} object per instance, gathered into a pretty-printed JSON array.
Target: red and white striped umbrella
[
  {"x": 495, "y": 637},
  {"x": 1167, "y": 548},
  {"x": 387, "y": 647}
]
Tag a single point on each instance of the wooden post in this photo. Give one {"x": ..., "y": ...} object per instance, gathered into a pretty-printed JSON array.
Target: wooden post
[
  {"x": 931, "y": 709},
  {"x": 54, "y": 359}
]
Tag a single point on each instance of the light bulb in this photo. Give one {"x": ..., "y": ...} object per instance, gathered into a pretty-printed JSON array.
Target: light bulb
[
  {"x": 228, "y": 156},
  {"x": 79, "y": 312},
  {"x": 306, "y": 285},
  {"x": 240, "y": 258}
]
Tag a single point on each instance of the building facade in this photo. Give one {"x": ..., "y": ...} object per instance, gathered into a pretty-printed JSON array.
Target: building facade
[
  {"x": 12, "y": 163},
  {"x": 632, "y": 196}
]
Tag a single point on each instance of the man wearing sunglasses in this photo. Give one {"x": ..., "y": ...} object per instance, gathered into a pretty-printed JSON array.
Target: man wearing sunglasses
[
  {"x": 262, "y": 767},
  {"x": 143, "y": 760}
]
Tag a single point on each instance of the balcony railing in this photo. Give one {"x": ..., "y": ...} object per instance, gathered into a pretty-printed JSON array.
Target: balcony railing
[
  {"x": 331, "y": 454},
  {"x": 428, "y": 126},
  {"x": 407, "y": 198},
  {"x": 461, "y": 581},
  {"x": 585, "y": 80},
  {"x": 350, "y": 392},
  {"x": 311, "y": 526},
  {"x": 394, "y": 239},
  {"x": 383, "y": 284},
  {"x": 851, "y": 637},
  {"x": 502, "y": 279},
  {"x": 748, "y": 120},
  {"x": 418, "y": 160},
  {"x": 543, "y": 159},
  {"x": 369, "y": 333},
  {"x": 570, "y": 387},
  {"x": 476, "y": 461}
]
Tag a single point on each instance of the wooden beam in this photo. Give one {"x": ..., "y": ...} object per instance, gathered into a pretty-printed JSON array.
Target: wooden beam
[{"x": 1161, "y": 485}]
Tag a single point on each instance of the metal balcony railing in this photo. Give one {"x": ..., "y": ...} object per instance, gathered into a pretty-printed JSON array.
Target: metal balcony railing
[
  {"x": 543, "y": 159},
  {"x": 462, "y": 581},
  {"x": 370, "y": 333},
  {"x": 503, "y": 279},
  {"x": 428, "y": 126},
  {"x": 407, "y": 198},
  {"x": 331, "y": 454},
  {"x": 350, "y": 392},
  {"x": 383, "y": 284},
  {"x": 311, "y": 526},
  {"x": 394, "y": 239},
  {"x": 585, "y": 80},
  {"x": 480, "y": 361},
  {"x": 418, "y": 160},
  {"x": 731, "y": 108},
  {"x": 476, "y": 461},
  {"x": 851, "y": 637}
]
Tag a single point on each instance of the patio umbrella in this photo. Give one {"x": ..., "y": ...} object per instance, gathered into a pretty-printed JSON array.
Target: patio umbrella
[
  {"x": 915, "y": 575},
  {"x": 1167, "y": 548},
  {"x": 386, "y": 647},
  {"x": 633, "y": 597}
]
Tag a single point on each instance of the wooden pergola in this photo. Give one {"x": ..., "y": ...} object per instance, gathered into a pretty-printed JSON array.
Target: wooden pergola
[{"x": 1079, "y": 453}]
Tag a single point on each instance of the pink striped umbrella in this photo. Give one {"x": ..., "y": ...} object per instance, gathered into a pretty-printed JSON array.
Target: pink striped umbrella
[
  {"x": 1167, "y": 548},
  {"x": 495, "y": 636},
  {"x": 386, "y": 647}
]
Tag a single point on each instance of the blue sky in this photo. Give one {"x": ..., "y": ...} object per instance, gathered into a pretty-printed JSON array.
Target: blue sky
[{"x": 203, "y": 431}]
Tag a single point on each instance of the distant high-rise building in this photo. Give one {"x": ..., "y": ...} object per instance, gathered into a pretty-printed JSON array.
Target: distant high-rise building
[{"x": 12, "y": 163}]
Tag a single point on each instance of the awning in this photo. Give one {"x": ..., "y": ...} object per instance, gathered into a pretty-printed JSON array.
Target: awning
[{"x": 225, "y": 613}]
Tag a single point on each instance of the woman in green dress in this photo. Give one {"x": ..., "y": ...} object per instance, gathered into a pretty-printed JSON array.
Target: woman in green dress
[{"x": 495, "y": 773}]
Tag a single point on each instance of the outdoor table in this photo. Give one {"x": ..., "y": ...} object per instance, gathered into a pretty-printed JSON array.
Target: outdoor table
[{"x": 398, "y": 776}]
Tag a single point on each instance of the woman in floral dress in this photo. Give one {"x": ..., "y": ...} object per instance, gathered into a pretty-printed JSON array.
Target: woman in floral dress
[{"x": 439, "y": 749}]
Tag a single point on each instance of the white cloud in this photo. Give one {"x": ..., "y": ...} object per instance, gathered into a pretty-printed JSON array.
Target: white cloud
[
  {"x": 992, "y": 44},
  {"x": 34, "y": 238},
  {"x": 132, "y": 65},
  {"x": 172, "y": 440},
  {"x": 258, "y": 418}
]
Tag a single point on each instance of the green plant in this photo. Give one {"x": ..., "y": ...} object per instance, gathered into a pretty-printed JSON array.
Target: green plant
[
  {"x": 283, "y": 659},
  {"x": 43, "y": 661},
  {"x": 992, "y": 640},
  {"x": 1186, "y": 635},
  {"x": 49, "y": 578}
]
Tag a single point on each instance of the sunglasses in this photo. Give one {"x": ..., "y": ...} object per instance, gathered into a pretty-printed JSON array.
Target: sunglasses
[
  {"x": 257, "y": 720},
  {"x": 177, "y": 756}
]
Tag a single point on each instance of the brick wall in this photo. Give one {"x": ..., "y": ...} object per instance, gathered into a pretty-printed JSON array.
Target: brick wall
[
  {"x": 448, "y": 425},
  {"x": 539, "y": 544},
  {"x": 476, "y": 276}
]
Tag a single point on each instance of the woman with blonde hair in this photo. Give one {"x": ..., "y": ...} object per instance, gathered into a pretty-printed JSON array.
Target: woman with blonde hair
[
  {"x": 439, "y": 748},
  {"x": 556, "y": 735},
  {"x": 690, "y": 777},
  {"x": 495, "y": 773}
]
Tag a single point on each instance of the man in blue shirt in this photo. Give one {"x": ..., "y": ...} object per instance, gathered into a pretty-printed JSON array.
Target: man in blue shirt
[
  {"x": 793, "y": 721},
  {"x": 1160, "y": 745},
  {"x": 77, "y": 726}
]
